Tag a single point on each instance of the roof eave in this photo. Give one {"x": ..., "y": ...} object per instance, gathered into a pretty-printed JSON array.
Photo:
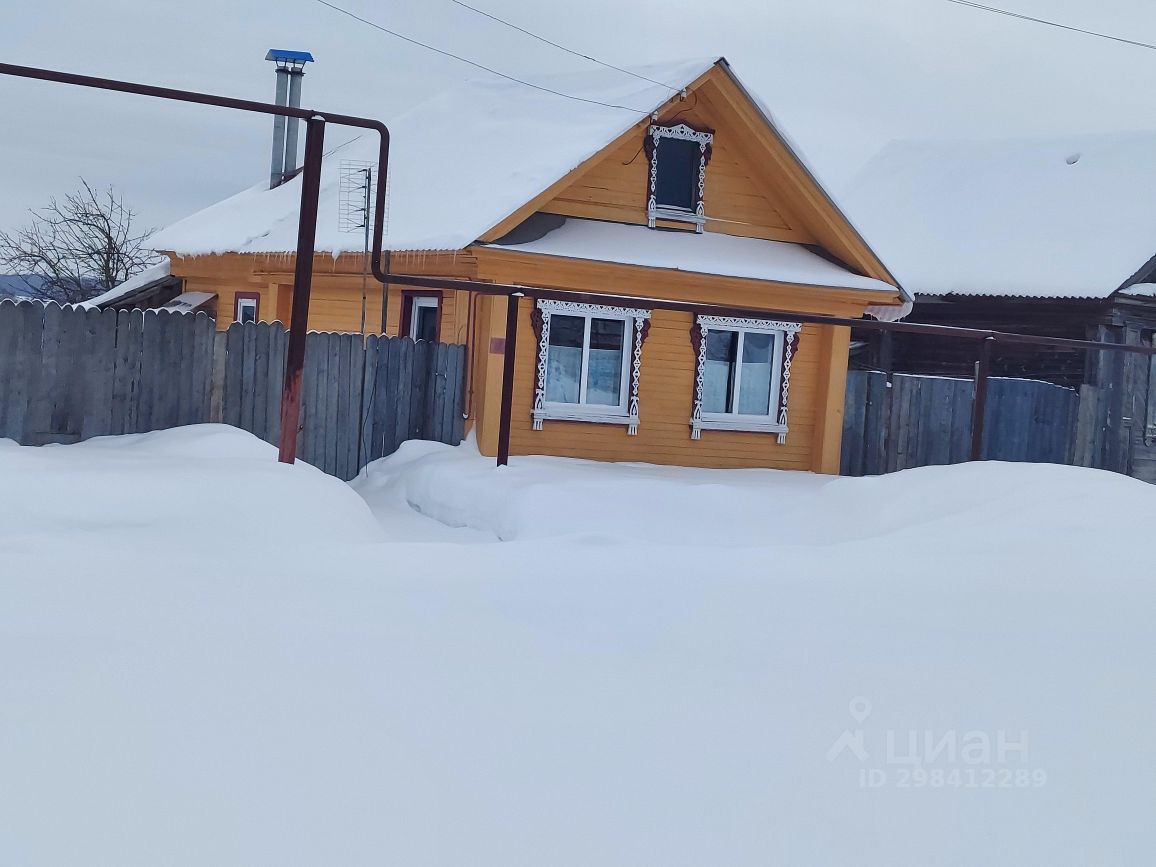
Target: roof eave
[
  {"x": 723, "y": 64},
  {"x": 883, "y": 294}
]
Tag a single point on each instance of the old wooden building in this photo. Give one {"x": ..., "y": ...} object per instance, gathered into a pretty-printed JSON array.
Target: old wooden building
[
  {"x": 1040, "y": 236},
  {"x": 683, "y": 192}
]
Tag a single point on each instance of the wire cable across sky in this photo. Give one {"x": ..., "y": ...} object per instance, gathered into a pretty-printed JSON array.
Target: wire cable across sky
[
  {"x": 1056, "y": 24},
  {"x": 480, "y": 66},
  {"x": 533, "y": 35}
]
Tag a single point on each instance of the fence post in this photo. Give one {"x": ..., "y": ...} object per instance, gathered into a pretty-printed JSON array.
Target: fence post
[{"x": 979, "y": 404}]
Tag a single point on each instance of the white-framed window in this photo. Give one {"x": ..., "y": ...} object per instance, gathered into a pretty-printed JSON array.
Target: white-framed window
[
  {"x": 423, "y": 317},
  {"x": 589, "y": 363},
  {"x": 743, "y": 376},
  {"x": 677, "y": 184},
  {"x": 246, "y": 308}
]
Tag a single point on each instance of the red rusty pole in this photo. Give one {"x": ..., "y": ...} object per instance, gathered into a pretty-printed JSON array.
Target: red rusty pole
[
  {"x": 307, "y": 227},
  {"x": 302, "y": 284}
]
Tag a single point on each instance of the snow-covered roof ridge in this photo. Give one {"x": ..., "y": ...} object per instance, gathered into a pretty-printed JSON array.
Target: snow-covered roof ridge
[
  {"x": 1041, "y": 217},
  {"x": 471, "y": 155}
]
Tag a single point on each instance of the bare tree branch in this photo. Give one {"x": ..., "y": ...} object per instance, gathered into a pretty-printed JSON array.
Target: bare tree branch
[{"x": 77, "y": 248}]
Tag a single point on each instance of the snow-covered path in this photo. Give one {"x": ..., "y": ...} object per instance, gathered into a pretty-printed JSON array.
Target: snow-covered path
[{"x": 210, "y": 659}]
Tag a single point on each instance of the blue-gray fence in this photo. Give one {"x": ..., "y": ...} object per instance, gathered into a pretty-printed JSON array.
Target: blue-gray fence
[
  {"x": 903, "y": 421},
  {"x": 390, "y": 389},
  {"x": 67, "y": 374}
]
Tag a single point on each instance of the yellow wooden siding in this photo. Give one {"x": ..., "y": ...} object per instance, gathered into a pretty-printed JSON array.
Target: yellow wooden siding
[
  {"x": 767, "y": 161},
  {"x": 665, "y": 401},
  {"x": 818, "y": 372},
  {"x": 615, "y": 187},
  {"x": 336, "y": 296}
]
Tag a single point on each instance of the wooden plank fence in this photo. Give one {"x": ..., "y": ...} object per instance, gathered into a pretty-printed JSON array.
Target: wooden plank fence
[
  {"x": 390, "y": 388},
  {"x": 916, "y": 421},
  {"x": 68, "y": 374}
]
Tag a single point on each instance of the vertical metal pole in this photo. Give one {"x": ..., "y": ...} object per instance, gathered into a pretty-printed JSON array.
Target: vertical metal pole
[
  {"x": 361, "y": 419},
  {"x": 277, "y": 162},
  {"x": 295, "y": 76},
  {"x": 302, "y": 283},
  {"x": 979, "y": 405},
  {"x": 384, "y": 294},
  {"x": 508, "y": 378}
]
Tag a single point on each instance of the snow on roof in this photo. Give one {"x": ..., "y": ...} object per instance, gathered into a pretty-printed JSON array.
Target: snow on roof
[
  {"x": 708, "y": 253},
  {"x": 1063, "y": 217},
  {"x": 460, "y": 163},
  {"x": 189, "y": 302},
  {"x": 149, "y": 275},
  {"x": 1140, "y": 290}
]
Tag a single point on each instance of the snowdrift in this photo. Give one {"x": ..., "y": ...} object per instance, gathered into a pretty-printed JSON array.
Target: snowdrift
[
  {"x": 666, "y": 668},
  {"x": 544, "y": 497},
  {"x": 197, "y": 486}
]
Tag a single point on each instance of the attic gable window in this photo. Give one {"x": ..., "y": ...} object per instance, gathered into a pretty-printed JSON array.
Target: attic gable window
[{"x": 678, "y": 158}]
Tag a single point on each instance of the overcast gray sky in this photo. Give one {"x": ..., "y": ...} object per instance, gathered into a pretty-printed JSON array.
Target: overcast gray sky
[{"x": 842, "y": 76}]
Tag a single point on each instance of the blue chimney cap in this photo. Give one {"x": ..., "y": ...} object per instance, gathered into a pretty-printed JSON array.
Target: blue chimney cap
[{"x": 283, "y": 56}]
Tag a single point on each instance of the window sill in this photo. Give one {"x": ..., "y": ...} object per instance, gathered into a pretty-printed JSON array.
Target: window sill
[
  {"x": 677, "y": 215},
  {"x": 558, "y": 414},
  {"x": 747, "y": 425}
]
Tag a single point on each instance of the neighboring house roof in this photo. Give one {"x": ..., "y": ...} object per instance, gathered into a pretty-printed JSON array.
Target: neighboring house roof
[
  {"x": 146, "y": 281},
  {"x": 706, "y": 253},
  {"x": 460, "y": 163},
  {"x": 189, "y": 302},
  {"x": 1061, "y": 217}
]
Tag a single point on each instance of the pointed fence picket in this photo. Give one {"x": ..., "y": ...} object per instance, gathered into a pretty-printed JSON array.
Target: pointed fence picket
[
  {"x": 385, "y": 389},
  {"x": 68, "y": 374}
]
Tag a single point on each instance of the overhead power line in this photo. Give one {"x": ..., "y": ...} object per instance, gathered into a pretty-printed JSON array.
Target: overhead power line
[
  {"x": 1055, "y": 24},
  {"x": 477, "y": 65},
  {"x": 533, "y": 35}
]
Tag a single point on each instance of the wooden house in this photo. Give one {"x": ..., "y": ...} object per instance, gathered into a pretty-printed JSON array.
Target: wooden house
[
  {"x": 1049, "y": 236},
  {"x": 685, "y": 191}
]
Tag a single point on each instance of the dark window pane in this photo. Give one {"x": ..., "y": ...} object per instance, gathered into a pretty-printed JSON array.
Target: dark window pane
[
  {"x": 567, "y": 331},
  {"x": 721, "y": 345},
  {"x": 677, "y": 182},
  {"x": 604, "y": 374},
  {"x": 606, "y": 333},
  {"x": 427, "y": 324},
  {"x": 564, "y": 359},
  {"x": 755, "y": 388},
  {"x": 718, "y": 373}
]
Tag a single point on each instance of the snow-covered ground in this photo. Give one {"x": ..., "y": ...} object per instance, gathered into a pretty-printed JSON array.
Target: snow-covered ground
[{"x": 207, "y": 658}]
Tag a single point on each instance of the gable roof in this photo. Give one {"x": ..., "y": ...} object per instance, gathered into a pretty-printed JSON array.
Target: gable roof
[
  {"x": 459, "y": 163},
  {"x": 466, "y": 160},
  {"x": 1060, "y": 217}
]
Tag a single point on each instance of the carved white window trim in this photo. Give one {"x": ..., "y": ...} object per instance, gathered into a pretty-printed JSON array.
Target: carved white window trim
[
  {"x": 786, "y": 344},
  {"x": 634, "y": 335},
  {"x": 654, "y": 211}
]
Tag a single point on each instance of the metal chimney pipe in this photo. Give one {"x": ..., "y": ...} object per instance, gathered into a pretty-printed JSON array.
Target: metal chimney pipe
[
  {"x": 290, "y": 68},
  {"x": 295, "y": 76},
  {"x": 277, "y": 163}
]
